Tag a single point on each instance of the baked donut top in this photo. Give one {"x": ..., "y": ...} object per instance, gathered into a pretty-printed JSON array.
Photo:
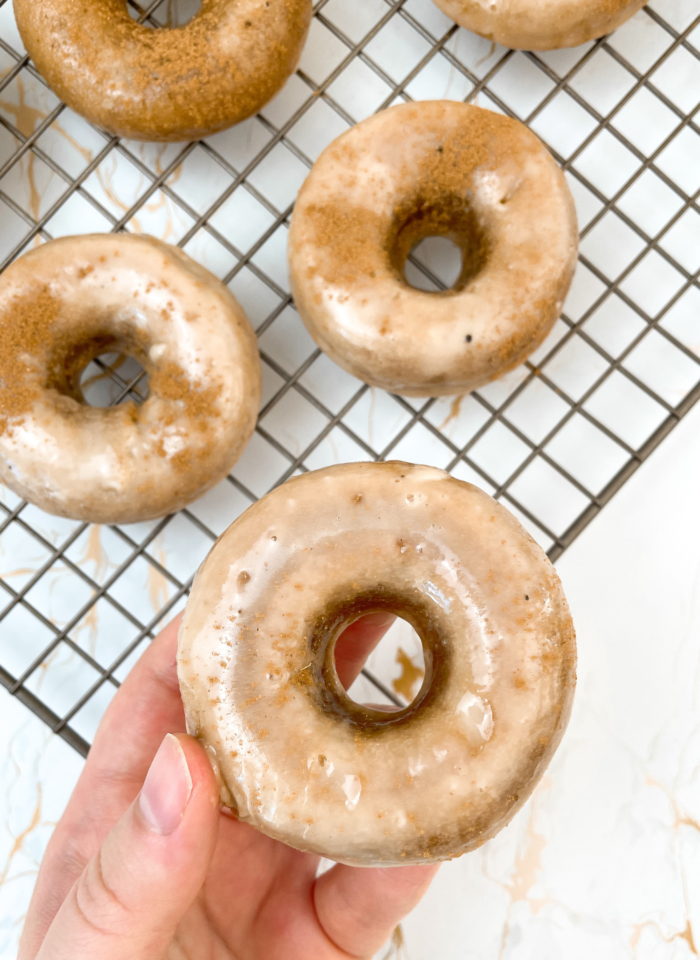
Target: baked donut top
[
  {"x": 46, "y": 345},
  {"x": 71, "y": 300},
  {"x": 48, "y": 334},
  {"x": 417, "y": 185},
  {"x": 170, "y": 83},
  {"x": 432, "y": 169},
  {"x": 303, "y": 762}
]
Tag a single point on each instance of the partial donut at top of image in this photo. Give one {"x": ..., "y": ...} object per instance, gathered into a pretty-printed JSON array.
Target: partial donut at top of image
[
  {"x": 540, "y": 24},
  {"x": 171, "y": 84},
  {"x": 422, "y": 170}
]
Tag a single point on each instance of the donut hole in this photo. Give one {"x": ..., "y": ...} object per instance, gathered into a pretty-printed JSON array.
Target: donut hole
[
  {"x": 168, "y": 13},
  {"x": 435, "y": 258},
  {"x": 397, "y": 664},
  {"x": 113, "y": 378},
  {"x": 410, "y": 663},
  {"x": 438, "y": 246}
]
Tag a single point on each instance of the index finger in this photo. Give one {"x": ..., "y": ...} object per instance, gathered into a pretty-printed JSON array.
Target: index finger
[{"x": 356, "y": 643}]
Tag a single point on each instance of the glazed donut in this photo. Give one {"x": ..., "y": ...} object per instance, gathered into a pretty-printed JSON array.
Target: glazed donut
[
  {"x": 170, "y": 84},
  {"x": 540, "y": 24},
  {"x": 432, "y": 169},
  {"x": 299, "y": 759},
  {"x": 67, "y": 302}
]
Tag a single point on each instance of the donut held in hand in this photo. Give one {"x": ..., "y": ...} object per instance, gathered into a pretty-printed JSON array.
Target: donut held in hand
[
  {"x": 432, "y": 169},
  {"x": 170, "y": 84},
  {"x": 540, "y": 24},
  {"x": 298, "y": 758},
  {"x": 67, "y": 302}
]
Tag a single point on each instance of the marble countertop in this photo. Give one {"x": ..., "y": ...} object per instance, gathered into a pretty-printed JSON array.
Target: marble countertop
[{"x": 604, "y": 860}]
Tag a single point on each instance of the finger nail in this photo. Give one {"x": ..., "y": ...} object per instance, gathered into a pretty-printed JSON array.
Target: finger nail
[
  {"x": 380, "y": 619},
  {"x": 167, "y": 787}
]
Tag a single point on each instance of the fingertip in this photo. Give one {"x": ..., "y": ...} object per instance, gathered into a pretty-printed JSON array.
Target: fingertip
[
  {"x": 179, "y": 802},
  {"x": 358, "y": 908},
  {"x": 166, "y": 639},
  {"x": 410, "y": 881},
  {"x": 168, "y": 635},
  {"x": 174, "y": 624},
  {"x": 159, "y": 660},
  {"x": 357, "y": 642},
  {"x": 203, "y": 768},
  {"x": 379, "y": 621}
]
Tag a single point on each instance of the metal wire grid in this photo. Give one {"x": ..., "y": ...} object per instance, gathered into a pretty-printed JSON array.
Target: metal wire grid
[{"x": 495, "y": 407}]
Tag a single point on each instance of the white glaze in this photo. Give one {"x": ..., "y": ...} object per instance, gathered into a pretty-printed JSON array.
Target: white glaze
[
  {"x": 123, "y": 464},
  {"x": 361, "y": 311},
  {"x": 450, "y": 771},
  {"x": 540, "y": 24}
]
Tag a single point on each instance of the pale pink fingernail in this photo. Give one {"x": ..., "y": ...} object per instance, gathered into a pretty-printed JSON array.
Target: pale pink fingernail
[{"x": 167, "y": 787}]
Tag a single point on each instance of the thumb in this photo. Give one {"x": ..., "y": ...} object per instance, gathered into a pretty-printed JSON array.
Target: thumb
[{"x": 131, "y": 896}]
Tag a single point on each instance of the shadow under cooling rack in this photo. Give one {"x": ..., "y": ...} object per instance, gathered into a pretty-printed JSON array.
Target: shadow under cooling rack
[{"x": 554, "y": 440}]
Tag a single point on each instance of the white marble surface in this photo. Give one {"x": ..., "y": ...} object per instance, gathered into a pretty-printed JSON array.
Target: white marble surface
[
  {"x": 604, "y": 860},
  {"x": 37, "y": 773}
]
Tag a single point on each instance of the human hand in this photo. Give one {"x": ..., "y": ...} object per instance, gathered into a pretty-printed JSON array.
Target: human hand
[{"x": 144, "y": 865}]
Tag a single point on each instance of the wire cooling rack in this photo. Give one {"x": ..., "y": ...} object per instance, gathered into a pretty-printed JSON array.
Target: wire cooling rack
[{"x": 554, "y": 440}]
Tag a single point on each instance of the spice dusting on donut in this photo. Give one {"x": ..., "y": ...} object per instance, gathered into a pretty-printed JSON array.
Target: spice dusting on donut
[
  {"x": 24, "y": 331},
  {"x": 435, "y": 206},
  {"x": 421, "y": 170},
  {"x": 168, "y": 84},
  {"x": 171, "y": 382},
  {"x": 300, "y": 759}
]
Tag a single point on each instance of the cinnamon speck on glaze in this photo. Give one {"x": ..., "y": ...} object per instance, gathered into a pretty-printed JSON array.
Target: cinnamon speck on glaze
[
  {"x": 299, "y": 759},
  {"x": 432, "y": 169},
  {"x": 169, "y": 84},
  {"x": 540, "y": 24},
  {"x": 70, "y": 300}
]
